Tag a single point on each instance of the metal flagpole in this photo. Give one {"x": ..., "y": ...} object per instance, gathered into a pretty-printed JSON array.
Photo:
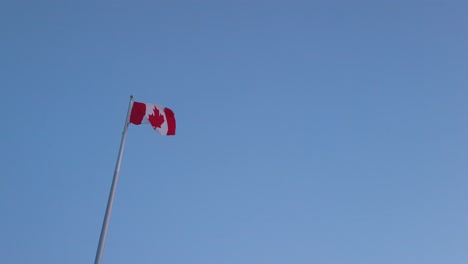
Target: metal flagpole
[{"x": 105, "y": 223}]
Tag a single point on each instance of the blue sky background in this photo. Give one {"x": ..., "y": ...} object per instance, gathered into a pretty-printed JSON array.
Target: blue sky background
[{"x": 308, "y": 131}]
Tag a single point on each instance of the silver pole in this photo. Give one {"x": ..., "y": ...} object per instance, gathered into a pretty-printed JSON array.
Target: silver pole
[{"x": 105, "y": 223}]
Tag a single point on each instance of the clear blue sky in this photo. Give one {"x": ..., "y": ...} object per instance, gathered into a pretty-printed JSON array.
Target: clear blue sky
[{"x": 308, "y": 131}]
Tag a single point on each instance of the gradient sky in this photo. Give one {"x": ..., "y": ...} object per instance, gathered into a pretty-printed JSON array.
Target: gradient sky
[{"x": 323, "y": 132}]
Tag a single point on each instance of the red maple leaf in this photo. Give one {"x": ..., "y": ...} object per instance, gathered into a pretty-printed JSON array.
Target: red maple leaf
[{"x": 156, "y": 119}]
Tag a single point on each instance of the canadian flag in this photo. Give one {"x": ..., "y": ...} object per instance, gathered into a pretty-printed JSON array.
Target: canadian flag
[{"x": 161, "y": 118}]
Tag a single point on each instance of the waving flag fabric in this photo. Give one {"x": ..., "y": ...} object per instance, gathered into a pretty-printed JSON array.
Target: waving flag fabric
[{"x": 161, "y": 118}]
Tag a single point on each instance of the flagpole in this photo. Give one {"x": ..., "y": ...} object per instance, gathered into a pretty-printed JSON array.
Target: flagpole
[{"x": 105, "y": 223}]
